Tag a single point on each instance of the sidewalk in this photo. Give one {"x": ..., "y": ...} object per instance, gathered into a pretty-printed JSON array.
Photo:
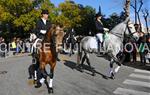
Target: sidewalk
[{"x": 16, "y": 55}]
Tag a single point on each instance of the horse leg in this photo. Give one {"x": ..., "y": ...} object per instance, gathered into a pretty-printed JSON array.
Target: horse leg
[
  {"x": 88, "y": 62},
  {"x": 36, "y": 67},
  {"x": 50, "y": 85},
  {"x": 111, "y": 73},
  {"x": 70, "y": 49},
  {"x": 118, "y": 67},
  {"x": 41, "y": 75},
  {"x": 82, "y": 61}
]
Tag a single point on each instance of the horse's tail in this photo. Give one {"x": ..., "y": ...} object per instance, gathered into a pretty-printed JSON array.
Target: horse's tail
[{"x": 79, "y": 54}]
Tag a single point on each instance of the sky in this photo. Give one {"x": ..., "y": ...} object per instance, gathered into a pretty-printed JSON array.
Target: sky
[{"x": 107, "y": 6}]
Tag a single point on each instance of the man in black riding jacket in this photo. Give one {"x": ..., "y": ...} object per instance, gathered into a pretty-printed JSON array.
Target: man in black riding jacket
[{"x": 42, "y": 25}]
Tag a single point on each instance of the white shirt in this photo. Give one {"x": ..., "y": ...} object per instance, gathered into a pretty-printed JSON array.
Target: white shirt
[
  {"x": 43, "y": 31},
  {"x": 44, "y": 21}
]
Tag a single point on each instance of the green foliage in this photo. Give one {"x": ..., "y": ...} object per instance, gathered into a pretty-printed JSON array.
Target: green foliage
[
  {"x": 17, "y": 12},
  {"x": 88, "y": 22},
  {"x": 113, "y": 20},
  {"x": 20, "y": 16},
  {"x": 69, "y": 14}
]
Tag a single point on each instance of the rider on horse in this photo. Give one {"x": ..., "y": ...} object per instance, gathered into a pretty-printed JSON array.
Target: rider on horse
[
  {"x": 43, "y": 25},
  {"x": 100, "y": 30}
]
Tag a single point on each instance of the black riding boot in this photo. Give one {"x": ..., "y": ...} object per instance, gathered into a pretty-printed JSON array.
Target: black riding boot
[{"x": 98, "y": 50}]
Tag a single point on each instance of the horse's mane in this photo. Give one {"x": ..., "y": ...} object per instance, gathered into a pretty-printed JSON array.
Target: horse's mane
[
  {"x": 120, "y": 26},
  {"x": 117, "y": 28},
  {"x": 50, "y": 33}
]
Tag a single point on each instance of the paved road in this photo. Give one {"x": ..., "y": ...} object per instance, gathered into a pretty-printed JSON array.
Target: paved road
[{"x": 69, "y": 81}]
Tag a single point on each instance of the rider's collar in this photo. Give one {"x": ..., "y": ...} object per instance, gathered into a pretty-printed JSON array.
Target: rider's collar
[{"x": 44, "y": 20}]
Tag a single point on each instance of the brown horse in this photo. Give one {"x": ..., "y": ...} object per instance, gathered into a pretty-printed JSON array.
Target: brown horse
[{"x": 47, "y": 55}]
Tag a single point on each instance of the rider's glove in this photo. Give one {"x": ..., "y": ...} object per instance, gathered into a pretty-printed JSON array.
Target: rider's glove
[
  {"x": 106, "y": 29},
  {"x": 43, "y": 31}
]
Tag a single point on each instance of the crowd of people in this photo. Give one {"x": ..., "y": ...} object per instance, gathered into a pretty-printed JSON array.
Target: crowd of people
[
  {"x": 14, "y": 47},
  {"x": 141, "y": 47}
]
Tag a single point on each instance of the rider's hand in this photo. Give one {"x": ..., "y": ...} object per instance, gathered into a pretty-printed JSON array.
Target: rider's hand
[{"x": 106, "y": 29}]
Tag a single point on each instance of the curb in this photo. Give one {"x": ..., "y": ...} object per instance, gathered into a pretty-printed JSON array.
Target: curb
[{"x": 18, "y": 55}]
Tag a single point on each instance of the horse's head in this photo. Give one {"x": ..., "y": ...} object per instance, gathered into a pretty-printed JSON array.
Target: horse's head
[
  {"x": 32, "y": 37},
  {"x": 130, "y": 29},
  {"x": 125, "y": 28},
  {"x": 56, "y": 33}
]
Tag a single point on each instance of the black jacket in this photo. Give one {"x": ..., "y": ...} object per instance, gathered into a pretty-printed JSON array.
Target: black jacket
[
  {"x": 99, "y": 27},
  {"x": 41, "y": 26}
]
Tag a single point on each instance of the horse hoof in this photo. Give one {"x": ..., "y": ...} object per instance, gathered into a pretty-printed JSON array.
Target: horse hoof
[
  {"x": 112, "y": 76},
  {"x": 38, "y": 85},
  {"x": 29, "y": 77},
  {"x": 81, "y": 70},
  {"x": 50, "y": 90},
  {"x": 93, "y": 74}
]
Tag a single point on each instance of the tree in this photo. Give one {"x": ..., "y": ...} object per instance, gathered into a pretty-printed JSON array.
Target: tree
[
  {"x": 21, "y": 15},
  {"x": 127, "y": 8},
  {"x": 113, "y": 20},
  {"x": 69, "y": 14},
  {"x": 145, "y": 15},
  {"x": 87, "y": 21},
  {"x": 16, "y": 15}
]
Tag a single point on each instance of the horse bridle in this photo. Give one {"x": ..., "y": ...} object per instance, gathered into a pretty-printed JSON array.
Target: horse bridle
[{"x": 130, "y": 36}]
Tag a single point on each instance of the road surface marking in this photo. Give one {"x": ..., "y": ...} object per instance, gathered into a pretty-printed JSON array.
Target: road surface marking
[
  {"x": 137, "y": 83},
  {"x": 140, "y": 76},
  {"x": 141, "y": 71},
  {"x": 124, "y": 91}
]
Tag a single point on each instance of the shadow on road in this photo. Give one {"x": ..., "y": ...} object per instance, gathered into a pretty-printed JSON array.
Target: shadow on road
[
  {"x": 3, "y": 72},
  {"x": 73, "y": 66},
  {"x": 138, "y": 65}
]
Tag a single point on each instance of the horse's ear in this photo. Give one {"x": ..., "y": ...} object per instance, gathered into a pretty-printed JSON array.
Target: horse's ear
[{"x": 127, "y": 20}]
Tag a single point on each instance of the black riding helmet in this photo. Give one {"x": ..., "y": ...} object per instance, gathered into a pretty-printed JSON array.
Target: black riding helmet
[
  {"x": 98, "y": 15},
  {"x": 44, "y": 12}
]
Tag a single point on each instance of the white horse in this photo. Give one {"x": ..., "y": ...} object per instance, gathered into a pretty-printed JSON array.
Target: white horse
[
  {"x": 34, "y": 40},
  {"x": 32, "y": 37},
  {"x": 113, "y": 45}
]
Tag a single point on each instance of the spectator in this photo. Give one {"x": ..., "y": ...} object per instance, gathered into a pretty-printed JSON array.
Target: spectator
[
  {"x": 13, "y": 45},
  {"x": 142, "y": 42},
  {"x": 18, "y": 45},
  {"x": 3, "y": 47},
  {"x": 27, "y": 45},
  {"x": 148, "y": 51}
]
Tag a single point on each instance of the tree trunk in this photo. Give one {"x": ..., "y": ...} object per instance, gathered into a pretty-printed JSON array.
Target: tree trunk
[{"x": 127, "y": 8}]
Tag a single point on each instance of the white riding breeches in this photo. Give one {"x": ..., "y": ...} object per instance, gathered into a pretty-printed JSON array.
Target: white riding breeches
[{"x": 100, "y": 37}]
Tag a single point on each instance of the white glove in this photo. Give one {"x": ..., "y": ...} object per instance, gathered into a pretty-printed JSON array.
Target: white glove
[
  {"x": 106, "y": 29},
  {"x": 43, "y": 31}
]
